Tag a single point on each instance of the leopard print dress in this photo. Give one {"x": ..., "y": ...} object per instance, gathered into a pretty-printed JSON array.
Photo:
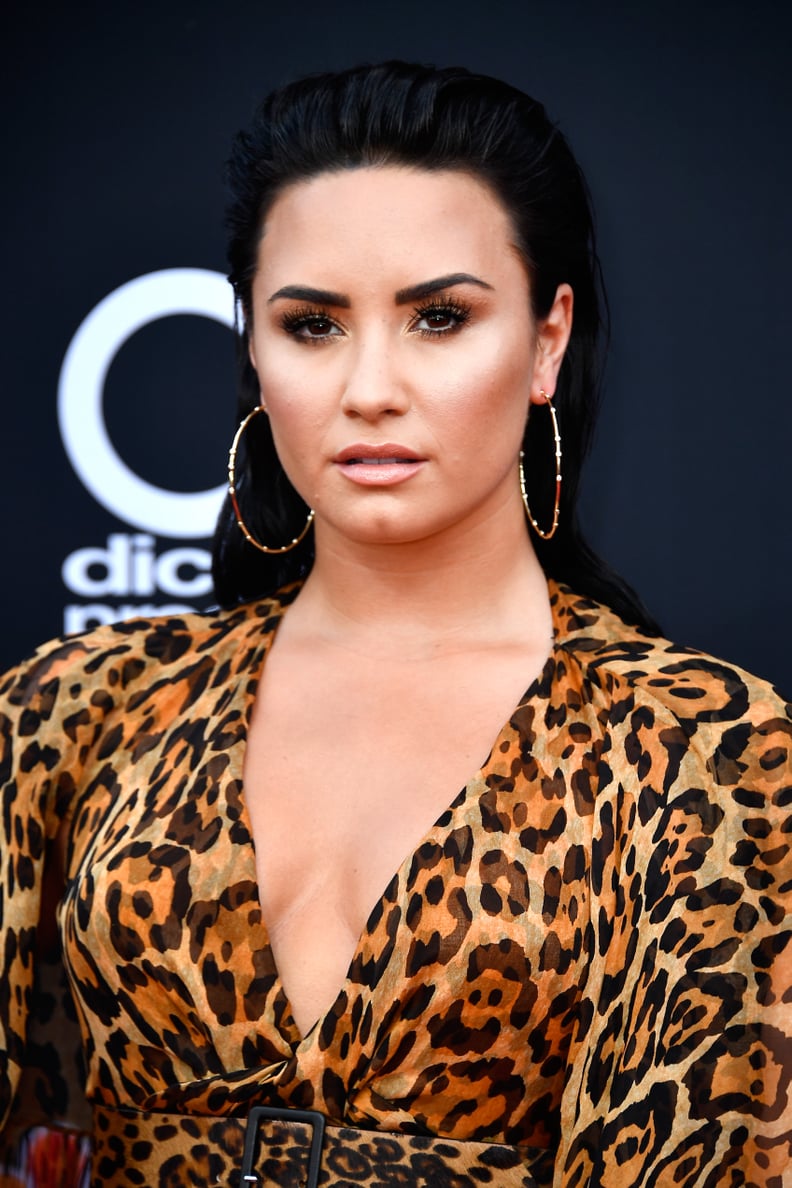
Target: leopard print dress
[{"x": 586, "y": 957}]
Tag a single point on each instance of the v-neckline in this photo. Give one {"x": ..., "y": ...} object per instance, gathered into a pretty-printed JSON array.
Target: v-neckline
[{"x": 255, "y": 672}]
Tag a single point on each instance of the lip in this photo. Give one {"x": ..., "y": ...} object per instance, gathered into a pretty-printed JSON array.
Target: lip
[
  {"x": 382, "y": 465},
  {"x": 361, "y": 452}
]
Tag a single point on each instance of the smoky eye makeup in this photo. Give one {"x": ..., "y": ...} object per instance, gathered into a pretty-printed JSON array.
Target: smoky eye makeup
[
  {"x": 440, "y": 317},
  {"x": 308, "y": 323},
  {"x": 437, "y": 317}
]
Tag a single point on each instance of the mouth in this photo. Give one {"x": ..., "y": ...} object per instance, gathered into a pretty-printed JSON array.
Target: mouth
[
  {"x": 364, "y": 461},
  {"x": 386, "y": 454},
  {"x": 384, "y": 465}
]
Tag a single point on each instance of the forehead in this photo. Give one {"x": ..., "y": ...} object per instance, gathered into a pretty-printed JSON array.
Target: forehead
[{"x": 386, "y": 218}]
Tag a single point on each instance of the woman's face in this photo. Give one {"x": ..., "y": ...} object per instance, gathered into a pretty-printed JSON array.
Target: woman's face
[{"x": 396, "y": 351}]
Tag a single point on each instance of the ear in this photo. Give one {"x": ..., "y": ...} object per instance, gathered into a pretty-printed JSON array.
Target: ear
[
  {"x": 252, "y": 357},
  {"x": 552, "y": 337}
]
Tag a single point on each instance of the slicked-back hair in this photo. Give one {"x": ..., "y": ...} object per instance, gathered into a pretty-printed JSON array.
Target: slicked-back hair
[{"x": 396, "y": 113}]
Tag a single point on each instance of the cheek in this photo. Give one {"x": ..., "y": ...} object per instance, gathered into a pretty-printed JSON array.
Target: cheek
[
  {"x": 483, "y": 385},
  {"x": 292, "y": 397},
  {"x": 297, "y": 426}
]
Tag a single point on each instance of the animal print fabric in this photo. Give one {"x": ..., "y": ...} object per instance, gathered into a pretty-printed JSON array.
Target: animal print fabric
[
  {"x": 587, "y": 956},
  {"x": 134, "y": 1149}
]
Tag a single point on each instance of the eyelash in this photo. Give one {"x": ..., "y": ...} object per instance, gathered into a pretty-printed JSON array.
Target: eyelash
[
  {"x": 295, "y": 320},
  {"x": 442, "y": 306}
]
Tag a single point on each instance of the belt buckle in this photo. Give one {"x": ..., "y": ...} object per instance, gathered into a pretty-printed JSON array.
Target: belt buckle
[{"x": 311, "y": 1118}]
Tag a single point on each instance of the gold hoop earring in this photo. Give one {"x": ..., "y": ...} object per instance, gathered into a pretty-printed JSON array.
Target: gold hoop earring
[
  {"x": 557, "y": 437},
  {"x": 232, "y": 453}
]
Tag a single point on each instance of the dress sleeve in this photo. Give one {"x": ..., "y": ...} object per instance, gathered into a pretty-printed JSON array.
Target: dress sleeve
[
  {"x": 681, "y": 1068},
  {"x": 43, "y": 719}
]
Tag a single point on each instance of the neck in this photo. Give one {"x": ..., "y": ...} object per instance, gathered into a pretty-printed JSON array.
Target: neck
[{"x": 468, "y": 587}]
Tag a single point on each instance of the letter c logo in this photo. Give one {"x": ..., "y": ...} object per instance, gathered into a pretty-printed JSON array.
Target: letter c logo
[{"x": 81, "y": 387}]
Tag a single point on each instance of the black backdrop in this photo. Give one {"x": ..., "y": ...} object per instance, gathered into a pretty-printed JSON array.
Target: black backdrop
[{"x": 118, "y": 118}]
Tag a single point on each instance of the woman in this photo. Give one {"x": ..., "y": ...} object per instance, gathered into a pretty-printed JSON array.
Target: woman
[{"x": 578, "y": 972}]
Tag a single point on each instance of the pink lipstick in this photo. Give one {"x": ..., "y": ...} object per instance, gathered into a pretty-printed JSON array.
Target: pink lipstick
[{"x": 381, "y": 465}]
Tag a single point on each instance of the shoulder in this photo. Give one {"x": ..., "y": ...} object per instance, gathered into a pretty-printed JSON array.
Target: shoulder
[
  {"x": 734, "y": 722},
  {"x": 82, "y": 699},
  {"x": 120, "y": 656},
  {"x": 693, "y": 686}
]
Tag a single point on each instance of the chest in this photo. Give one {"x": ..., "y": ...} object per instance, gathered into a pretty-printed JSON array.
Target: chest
[
  {"x": 163, "y": 919},
  {"x": 349, "y": 761}
]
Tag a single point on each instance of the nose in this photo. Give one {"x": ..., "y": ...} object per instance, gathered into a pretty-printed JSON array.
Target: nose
[{"x": 373, "y": 387}]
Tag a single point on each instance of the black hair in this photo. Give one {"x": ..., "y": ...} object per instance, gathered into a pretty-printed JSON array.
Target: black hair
[{"x": 402, "y": 114}]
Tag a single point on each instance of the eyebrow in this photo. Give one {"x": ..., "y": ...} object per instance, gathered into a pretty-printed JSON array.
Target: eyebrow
[
  {"x": 426, "y": 288},
  {"x": 402, "y": 297},
  {"x": 317, "y": 296}
]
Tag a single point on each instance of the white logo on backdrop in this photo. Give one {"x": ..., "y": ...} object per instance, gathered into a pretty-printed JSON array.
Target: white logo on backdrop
[
  {"x": 81, "y": 388},
  {"x": 128, "y": 565}
]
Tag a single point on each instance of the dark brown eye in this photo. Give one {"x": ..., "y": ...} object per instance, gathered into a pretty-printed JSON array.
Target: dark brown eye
[
  {"x": 309, "y": 324},
  {"x": 440, "y": 318},
  {"x": 438, "y": 321},
  {"x": 317, "y": 327}
]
